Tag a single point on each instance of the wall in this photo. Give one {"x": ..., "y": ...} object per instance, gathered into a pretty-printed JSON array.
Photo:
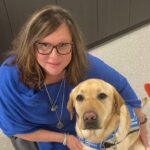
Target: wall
[{"x": 98, "y": 19}]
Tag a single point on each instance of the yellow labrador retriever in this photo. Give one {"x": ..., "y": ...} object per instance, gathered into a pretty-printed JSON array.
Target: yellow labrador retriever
[{"x": 102, "y": 118}]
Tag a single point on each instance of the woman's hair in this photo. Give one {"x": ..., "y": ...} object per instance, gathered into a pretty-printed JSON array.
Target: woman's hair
[{"x": 41, "y": 24}]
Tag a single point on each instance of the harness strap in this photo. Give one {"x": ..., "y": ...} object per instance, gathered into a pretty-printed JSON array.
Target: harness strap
[
  {"x": 108, "y": 144},
  {"x": 98, "y": 146}
]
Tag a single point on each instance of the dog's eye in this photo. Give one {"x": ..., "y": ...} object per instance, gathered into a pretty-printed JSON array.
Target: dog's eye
[
  {"x": 80, "y": 97},
  {"x": 101, "y": 96}
]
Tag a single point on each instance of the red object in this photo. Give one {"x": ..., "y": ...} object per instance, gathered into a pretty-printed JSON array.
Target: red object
[{"x": 147, "y": 88}]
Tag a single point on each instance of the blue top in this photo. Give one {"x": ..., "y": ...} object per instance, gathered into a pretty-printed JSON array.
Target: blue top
[{"x": 24, "y": 110}]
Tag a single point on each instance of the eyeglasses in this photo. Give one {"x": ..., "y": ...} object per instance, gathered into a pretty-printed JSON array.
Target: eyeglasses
[{"x": 47, "y": 48}]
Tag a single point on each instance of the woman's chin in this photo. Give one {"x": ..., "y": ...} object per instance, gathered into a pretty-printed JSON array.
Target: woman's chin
[{"x": 55, "y": 75}]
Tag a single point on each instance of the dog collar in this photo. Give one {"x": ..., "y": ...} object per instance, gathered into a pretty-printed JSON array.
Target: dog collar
[
  {"x": 98, "y": 146},
  {"x": 90, "y": 144}
]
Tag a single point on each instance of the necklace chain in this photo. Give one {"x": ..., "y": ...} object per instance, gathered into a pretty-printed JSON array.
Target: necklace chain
[
  {"x": 59, "y": 125},
  {"x": 48, "y": 94}
]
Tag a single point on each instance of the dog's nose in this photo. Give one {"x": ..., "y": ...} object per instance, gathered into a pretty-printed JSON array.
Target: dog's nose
[
  {"x": 90, "y": 120},
  {"x": 89, "y": 116}
]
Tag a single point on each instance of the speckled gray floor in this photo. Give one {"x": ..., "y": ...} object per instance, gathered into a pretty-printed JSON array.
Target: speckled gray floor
[
  {"x": 130, "y": 55},
  {"x": 5, "y": 143}
]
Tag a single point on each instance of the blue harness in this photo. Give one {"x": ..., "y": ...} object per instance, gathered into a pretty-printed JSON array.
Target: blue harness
[{"x": 133, "y": 127}]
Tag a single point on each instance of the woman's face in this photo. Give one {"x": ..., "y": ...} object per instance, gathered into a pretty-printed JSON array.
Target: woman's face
[{"x": 55, "y": 63}]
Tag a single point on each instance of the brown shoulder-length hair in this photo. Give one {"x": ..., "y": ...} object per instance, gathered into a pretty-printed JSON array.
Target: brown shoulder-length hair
[{"x": 42, "y": 23}]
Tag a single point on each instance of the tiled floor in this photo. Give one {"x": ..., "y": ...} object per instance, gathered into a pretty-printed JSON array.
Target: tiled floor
[{"x": 130, "y": 55}]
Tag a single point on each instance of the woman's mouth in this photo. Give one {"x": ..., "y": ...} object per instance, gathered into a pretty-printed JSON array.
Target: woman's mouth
[{"x": 54, "y": 64}]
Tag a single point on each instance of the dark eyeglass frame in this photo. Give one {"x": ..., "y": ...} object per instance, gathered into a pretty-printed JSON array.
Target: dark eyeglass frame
[{"x": 52, "y": 47}]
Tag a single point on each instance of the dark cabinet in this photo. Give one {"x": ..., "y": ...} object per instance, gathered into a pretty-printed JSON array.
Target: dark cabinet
[
  {"x": 85, "y": 13},
  {"x": 5, "y": 30},
  {"x": 19, "y": 11},
  {"x": 113, "y": 16},
  {"x": 97, "y": 19},
  {"x": 140, "y": 11}
]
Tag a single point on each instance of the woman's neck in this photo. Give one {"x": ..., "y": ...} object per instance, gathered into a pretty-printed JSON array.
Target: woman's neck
[{"x": 54, "y": 78}]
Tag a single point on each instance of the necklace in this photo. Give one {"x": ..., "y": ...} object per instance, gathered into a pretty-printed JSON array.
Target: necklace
[{"x": 54, "y": 107}]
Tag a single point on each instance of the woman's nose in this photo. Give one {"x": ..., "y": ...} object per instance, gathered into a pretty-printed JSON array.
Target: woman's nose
[{"x": 54, "y": 52}]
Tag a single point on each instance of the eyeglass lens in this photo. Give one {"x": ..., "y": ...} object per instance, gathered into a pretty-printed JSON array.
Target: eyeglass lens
[{"x": 46, "y": 48}]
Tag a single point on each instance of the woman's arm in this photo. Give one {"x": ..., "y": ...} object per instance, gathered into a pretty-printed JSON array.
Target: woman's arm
[
  {"x": 49, "y": 136},
  {"x": 143, "y": 127},
  {"x": 42, "y": 135}
]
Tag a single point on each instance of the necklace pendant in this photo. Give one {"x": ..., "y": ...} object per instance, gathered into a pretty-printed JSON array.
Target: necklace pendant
[
  {"x": 59, "y": 125},
  {"x": 53, "y": 107}
]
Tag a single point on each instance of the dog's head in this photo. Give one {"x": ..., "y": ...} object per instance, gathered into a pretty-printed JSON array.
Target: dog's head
[{"x": 94, "y": 101}]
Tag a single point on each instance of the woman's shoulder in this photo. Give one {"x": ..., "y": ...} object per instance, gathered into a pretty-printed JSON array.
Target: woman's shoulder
[
  {"x": 8, "y": 72},
  {"x": 8, "y": 60},
  {"x": 9, "y": 78},
  {"x": 98, "y": 66},
  {"x": 99, "y": 69},
  {"x": 96, "y": 63},
  {"x": 93, "y": 59}
]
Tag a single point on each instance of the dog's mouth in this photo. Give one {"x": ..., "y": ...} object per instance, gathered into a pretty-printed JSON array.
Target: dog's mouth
[
  {"x": 90, "y": 120},
  {"x": 91, "y": 125}
]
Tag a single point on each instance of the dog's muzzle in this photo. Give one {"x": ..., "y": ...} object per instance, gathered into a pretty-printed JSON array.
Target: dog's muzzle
[{"x": 90, "y": 120}]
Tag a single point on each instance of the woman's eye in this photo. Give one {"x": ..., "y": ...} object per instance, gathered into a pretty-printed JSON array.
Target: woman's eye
[
  {"x": 46, "y": 45},
  {"x": 62, "y": 45},
  {"x": 43, "y": 45}
]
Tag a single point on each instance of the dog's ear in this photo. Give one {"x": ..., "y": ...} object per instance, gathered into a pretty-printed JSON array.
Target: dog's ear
[
  {"x": 118, "y": 101},
  {"x": 122, "y": 111},
  {"x": 124, "y": 124},
  {"x": 70, "y": 105}
]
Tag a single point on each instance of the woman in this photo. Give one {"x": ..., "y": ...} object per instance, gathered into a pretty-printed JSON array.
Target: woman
[{"x": 48, "y": 60}]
